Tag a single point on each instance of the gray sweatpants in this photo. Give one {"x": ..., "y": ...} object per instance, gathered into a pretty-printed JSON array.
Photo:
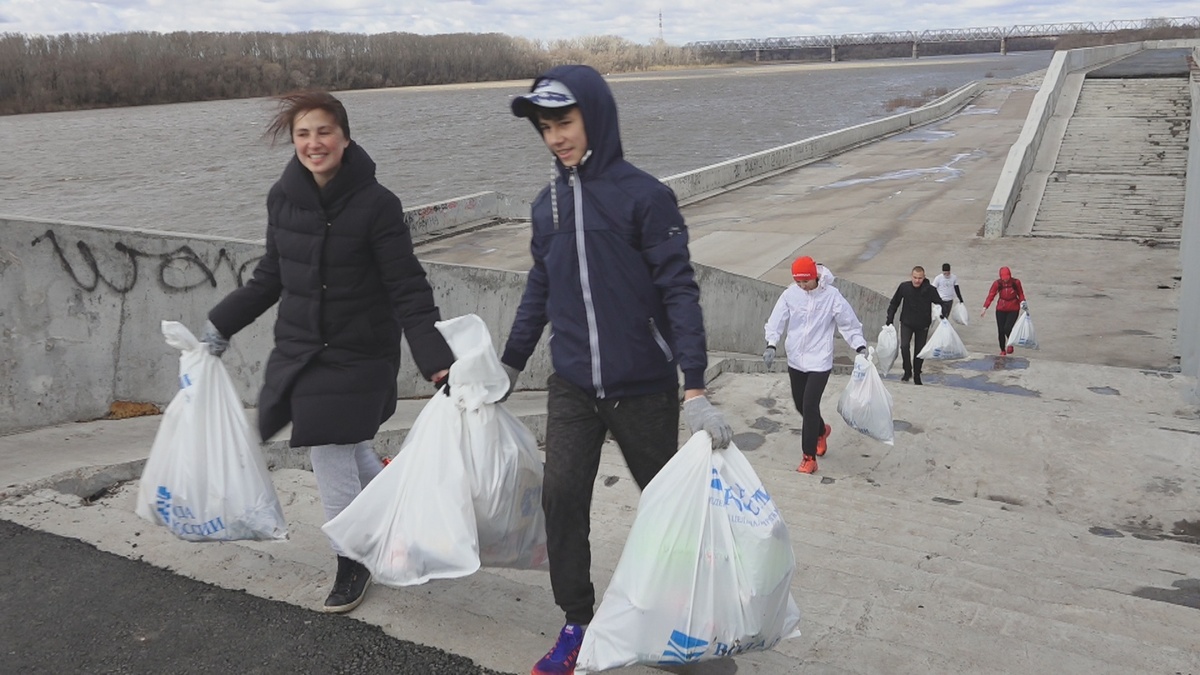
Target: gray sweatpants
[{"x": 342, "y": 471}]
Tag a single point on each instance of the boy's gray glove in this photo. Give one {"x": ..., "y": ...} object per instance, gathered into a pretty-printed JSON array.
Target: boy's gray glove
[
  {"x": 513, "y": 374},
  {"x": 769, "y": 355},
  {"x": 701, "y": 415},
  {"x": 217, "y": 343}
]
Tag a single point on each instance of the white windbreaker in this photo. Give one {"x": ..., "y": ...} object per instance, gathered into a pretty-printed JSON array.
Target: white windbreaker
[{"x": 809, "y": 318}]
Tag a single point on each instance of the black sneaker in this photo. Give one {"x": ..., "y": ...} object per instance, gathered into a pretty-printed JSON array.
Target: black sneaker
[
  {"x": 906, "y": 377},
  {"x": 916, "y": 378},
  {"x": 349, "y": 587}
]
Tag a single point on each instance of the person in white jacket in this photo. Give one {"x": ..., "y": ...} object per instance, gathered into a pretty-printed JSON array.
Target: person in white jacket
[{"x": 809, "y": 310}]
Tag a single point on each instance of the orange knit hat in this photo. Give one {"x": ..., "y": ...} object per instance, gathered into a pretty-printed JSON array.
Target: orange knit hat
[{"x": 804, "y": 268}]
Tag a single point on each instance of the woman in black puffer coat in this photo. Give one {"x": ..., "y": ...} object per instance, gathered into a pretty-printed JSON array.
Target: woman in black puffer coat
[{"x": 339, "y": 261}]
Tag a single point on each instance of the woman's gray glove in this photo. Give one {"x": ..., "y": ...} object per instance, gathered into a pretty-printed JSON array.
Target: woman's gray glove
[
  {"x": 217, "y": 344},
  {"x": 769, "y": 355},
  {"x": 513, "y": 374},
  {"x": 701, "y": 415}
]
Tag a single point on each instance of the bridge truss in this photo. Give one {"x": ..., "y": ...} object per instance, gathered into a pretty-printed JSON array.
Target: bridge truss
[{"x": 944, "y": 35}]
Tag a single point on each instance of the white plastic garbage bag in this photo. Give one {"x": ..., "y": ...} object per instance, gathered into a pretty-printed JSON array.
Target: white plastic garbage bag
[
  {"x": 865, "y": 403},
  {"x": 944, "y": 344},
  {"x": 958, "y": 314},
  {"x": 206, "y": 478},
  {"x": 706, "y": 570},
  {"x": 887, "y": 348},
  {"x": 1022, "y": 334},
  {"x": 465, "y": 488}
]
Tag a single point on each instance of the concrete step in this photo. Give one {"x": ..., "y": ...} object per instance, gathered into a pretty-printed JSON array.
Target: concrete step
[
  {"x": 971, "y": 571},
  {"x": 1119, "y": 173}
]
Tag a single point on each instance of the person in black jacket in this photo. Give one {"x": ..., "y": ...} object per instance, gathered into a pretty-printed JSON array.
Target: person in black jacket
[
  {"x": 339, "y": 261},
  {"x": 918, "y": 298},
  {"x": 612, "y": 276}
]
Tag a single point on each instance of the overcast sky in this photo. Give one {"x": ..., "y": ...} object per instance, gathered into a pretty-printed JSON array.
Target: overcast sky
[{"x": 637, "y": 20}]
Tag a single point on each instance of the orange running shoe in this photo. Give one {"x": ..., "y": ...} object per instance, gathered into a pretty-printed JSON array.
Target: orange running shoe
[
  {"x": 809, "y": 465},
  {"x": 822, "y": 444}
]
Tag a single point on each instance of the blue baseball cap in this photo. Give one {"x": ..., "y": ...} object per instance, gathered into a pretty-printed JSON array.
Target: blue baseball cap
[{"x": 547, "y": 93}]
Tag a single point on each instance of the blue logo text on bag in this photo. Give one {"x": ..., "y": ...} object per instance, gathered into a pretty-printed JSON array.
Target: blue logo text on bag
[
  {"x": 733, "y": 496},
  {"x": 181, "y": 519},
  {"x": 531, "y": 501},
  {"x": 683, "y": 648}
]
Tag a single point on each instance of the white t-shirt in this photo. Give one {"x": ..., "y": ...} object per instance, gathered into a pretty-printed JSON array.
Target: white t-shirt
[{"x": 945, "y": 285}]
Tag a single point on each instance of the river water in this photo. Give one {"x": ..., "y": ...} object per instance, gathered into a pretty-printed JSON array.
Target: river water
[{"x": 204, "y": 168}]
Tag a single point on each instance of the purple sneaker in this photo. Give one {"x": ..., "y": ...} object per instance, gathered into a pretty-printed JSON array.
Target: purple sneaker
[{"x": 561, "y": 659}]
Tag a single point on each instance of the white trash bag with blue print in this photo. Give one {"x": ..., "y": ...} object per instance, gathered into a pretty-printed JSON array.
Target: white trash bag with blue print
[
  {"x": 706, "y": 571},
  {"x": 1022, "y": 334},
  {"x": 944, "y": 344},
  {"x": 465, "y": 489},
  {"x": 865, "y": 403},
  {"x": 206, "y": 478},
  {"x": 887, "y": 348}
]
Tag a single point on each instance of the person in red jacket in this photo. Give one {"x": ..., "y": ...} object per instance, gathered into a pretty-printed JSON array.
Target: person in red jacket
[{"x": 1008, "y": 305}]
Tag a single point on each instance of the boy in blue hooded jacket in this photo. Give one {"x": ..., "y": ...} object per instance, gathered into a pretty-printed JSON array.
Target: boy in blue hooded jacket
[{"x": 612, "y": 276}]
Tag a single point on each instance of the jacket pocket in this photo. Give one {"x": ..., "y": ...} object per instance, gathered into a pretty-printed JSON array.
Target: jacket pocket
[{"x": 662, "y": 343}]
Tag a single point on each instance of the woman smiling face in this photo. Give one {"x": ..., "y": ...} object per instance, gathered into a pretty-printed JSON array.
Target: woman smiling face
[{"x": 320, "y": 143}]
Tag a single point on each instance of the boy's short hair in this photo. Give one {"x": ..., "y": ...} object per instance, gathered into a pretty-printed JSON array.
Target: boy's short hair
[
  {"x": 547, "y": 95},
  {"x": 945, "y": 267}
]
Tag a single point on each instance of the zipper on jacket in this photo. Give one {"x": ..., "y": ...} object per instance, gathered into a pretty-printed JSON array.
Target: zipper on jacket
[
  {"x": 662, "y": 343},
  {"x": 586, "y": 284}
]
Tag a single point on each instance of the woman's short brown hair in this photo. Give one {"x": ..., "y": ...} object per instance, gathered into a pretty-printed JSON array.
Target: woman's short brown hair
[{"x": 292, "y": 105}]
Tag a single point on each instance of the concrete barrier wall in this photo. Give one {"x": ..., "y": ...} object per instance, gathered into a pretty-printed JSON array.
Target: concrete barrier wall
[
  {"x": 1189, "y": 250},
  {"x": 1022, "y": 153},
  {"x": 692, "y": 186},
  {"x": 81, "y": 308},
  {"x": 705, "y": 182}
]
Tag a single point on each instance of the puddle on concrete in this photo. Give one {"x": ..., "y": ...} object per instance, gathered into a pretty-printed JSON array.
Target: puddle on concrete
[
  {"x": 992, "y": 363},
  {"x": 1187, "y": 530},
  {"x": 828, "y": 481},
  {"x": 925, "y": 136},
  {"x": 1158, "y": 373},
  {"x": 873, "y": 248},
  {"x": 748, "y": 441},
  {"x": 946, "y": 172},
  {"x": 1106, "y": 391},
  {"x": 1135, "y": 331},
  {"x": 972, "y": 110},
  {"x": 901, "y": 425},
  {"x": 766, "y": 402},
  {"x": 766, "y": 425},
  {"x": 611, "y": 481},
  {"x": 979, "y": 383},
  {"x": 944, "y": 500},
  {"x": 1186, "y": 593},
  {"x": 1011, "y": 501},
  {"x": 1105, "y": 532}
]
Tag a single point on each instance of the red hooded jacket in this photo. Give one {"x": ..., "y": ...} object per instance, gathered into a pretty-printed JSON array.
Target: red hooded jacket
[{"x": 1010, "y": 291}]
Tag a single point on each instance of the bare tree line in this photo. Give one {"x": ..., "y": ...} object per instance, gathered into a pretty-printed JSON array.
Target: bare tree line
[{"x": 81, "y": 70}]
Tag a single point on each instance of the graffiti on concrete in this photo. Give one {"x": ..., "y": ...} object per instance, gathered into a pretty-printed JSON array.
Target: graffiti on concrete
[{"x": 175, "y": 271}]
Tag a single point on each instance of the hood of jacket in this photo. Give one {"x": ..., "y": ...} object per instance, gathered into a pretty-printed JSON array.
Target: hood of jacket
[{"x": 599, "y": 111}]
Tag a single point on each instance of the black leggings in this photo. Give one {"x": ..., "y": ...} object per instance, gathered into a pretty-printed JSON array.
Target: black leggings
[
  {"x": 807, "y": 389},
  {"x": 1004, "y": 325}
]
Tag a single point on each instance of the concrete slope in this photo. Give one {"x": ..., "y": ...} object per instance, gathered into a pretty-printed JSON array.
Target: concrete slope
[
  {"x": 1121, "y": 167},
  {"x": 1032, "y": 517}
]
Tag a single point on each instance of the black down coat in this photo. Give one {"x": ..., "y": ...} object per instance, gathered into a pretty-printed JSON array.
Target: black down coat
[{"x": 340, "y": 262}]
